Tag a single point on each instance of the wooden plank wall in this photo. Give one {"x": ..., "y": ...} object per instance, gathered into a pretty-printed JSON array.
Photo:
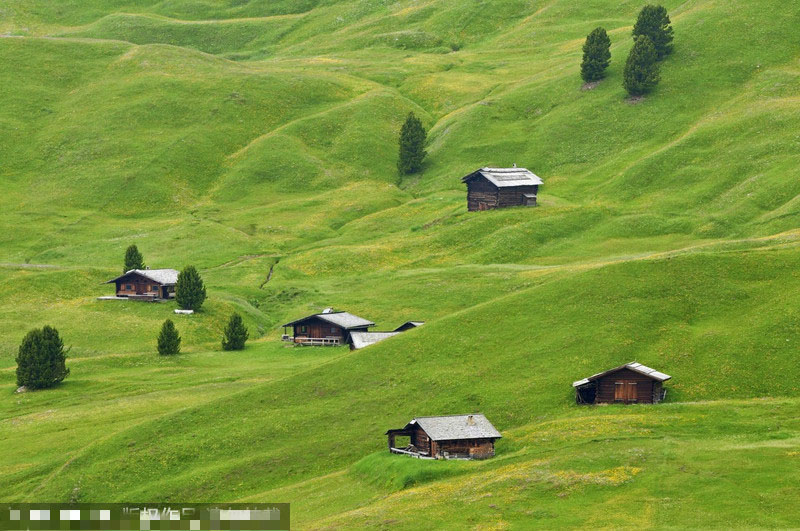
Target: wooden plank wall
[
  {"x": 421, "y": 440},
  {"x": 475, "y": 448},
  {"x": 139, "y": 285},
  {"x": 317, "y": 328},
  {"x": 606, "y": 386},
  {"x": 480, "y": 191}
]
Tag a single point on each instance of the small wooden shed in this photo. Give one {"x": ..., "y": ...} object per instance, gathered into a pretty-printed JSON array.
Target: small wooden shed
[
  {"x": 489, "y": 188},
  {"x": 627, "y": 384},
  {"x": 146, "y": 284},
  {"x": 447, "y": 437},
  {"x": 326, "y": 328}
]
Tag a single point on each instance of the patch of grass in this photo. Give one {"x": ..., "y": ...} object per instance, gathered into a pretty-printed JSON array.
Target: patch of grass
[{"x": 667, "y": 233}]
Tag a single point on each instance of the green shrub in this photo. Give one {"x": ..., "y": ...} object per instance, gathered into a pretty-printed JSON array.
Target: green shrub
[
  {"x": 641, "y": 69},
  {"x": 596, "y": 55},
  {"x": 412, "y": 145},
  {"x": 235, "y": 334},
  {"x": 133, "y": 259},
  {"x": 169, "y": 342},
  {"x": 653, "y": 22},
  {"x": 190, "y": 292},
  {"x": 41, "y": 360}
]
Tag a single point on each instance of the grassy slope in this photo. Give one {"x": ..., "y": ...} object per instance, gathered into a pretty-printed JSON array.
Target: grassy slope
[{"x": 666, "y": 235}]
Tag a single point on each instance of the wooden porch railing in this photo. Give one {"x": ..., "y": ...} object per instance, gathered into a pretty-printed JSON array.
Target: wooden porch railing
[{"x": 314, "y": 341}]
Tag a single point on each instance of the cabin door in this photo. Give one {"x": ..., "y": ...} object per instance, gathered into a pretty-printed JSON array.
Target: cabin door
[
  {"x": 625, "y": 391},
  {"x": 483, "y": 206}
]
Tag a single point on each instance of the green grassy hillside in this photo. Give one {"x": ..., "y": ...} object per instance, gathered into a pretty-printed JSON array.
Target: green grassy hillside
[{"x": 243, "y": 136}]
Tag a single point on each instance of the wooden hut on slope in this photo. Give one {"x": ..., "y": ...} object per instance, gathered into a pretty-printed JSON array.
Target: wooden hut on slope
[
  {"x": 627, "y": 384},
  {"x": 326, "y": 328},
  {"x": 146, "y": 284},
  {"x": 447, "y": 437},
  {"x": 489, "y": 188},
  {"x": 339, "y": 328}
]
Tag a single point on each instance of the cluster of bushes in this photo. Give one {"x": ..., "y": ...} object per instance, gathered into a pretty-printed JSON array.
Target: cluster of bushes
[
  {"x": 652, "y": 42},
  {"x": 233, "y": 337},
  {"x": 41, "y": 359}
]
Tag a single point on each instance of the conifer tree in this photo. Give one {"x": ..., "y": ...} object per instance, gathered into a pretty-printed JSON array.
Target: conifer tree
[
  {"x": 235, "y": 334},
  {"x": 133, "y": 259},
  {"x": 641, "y": 69},
  {"x": 596, "y": 55},
  {"x": 169, "y": 342},
  {"x": 41, "y": 359},
  {"x": 653, "y": 22},
  {"x": 190, "y": 292},
  {"x": 412, "y": 145}
]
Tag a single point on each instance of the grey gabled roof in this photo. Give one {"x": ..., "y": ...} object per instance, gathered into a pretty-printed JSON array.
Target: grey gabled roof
[
  {"x": 634, "y": 366},
  {"x": 365, "y": 339},
  {"x": 165, "y": 277},
  {"x": 453, "y": 427},
  {"x": 411, "y": 324},
  {"x": 505, "y": 177},
  {"x": 343, "y": 319}
]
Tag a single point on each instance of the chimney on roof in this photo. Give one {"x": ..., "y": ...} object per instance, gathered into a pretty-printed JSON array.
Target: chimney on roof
[
  {"x": 470, "y": 420},
  {"x": 327, "y": 310}
]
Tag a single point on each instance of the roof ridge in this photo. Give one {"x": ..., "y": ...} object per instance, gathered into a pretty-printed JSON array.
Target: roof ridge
[{"x": 443, "y": 416}]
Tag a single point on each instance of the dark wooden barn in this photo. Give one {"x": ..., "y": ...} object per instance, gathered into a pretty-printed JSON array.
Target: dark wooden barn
[
  {"x": 489, "y": 188},
  {"x": 631, "y": 383},
  {"x": 326, "y": 328},
  {"x": 448, "y": 437},
  {"x": 146, "y": 284}
]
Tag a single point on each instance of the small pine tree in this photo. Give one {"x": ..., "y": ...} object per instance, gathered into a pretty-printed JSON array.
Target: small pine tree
[
  {"x": 41, "y": 360},
  {"x": 653, "y": 22},
  {"x": 190, "y": 292},
  {"x": 169, "y": 342},
  {"x": 133, "y": 259},
  {"x": 412, "y": 145},
  {"x": 235, "y": 334},
  {"x": 596, "y": 55},
  {"x": 641, "y": 69}
]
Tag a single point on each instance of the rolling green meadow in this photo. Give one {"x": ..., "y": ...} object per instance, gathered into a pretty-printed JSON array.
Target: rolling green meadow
[{"x": 239, "y": 136}]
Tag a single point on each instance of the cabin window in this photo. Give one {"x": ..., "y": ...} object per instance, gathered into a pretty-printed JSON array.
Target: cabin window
[
  {"x": 128, "y": 286},
  {"x": 333, "y": 330},
  {"x": 303, "y": 329}
]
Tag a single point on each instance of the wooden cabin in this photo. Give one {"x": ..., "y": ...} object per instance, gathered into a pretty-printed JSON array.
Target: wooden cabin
[
  {"x": 632, "y": 383},
  {"x": 328, "y": 328},
  {"x": 447, "y": 437},
  {"x": 146, "y": 284},
  {"x": 489, "y": 188}
]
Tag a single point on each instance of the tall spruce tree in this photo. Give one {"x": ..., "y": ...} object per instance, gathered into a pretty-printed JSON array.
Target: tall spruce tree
[
  {"x": 412, "y": 145},
  {"x": 235, "y": 334},
  {"x": 641, "y": 69},
  {"x": 653, "y": 22},
  {"x": 133, "y": 259},
  {"x": 596, "y": 55},
  {"x": 169, "y": 342},
  {"x": 41, "y": 359},
  {"x": 190, "y": 292}
]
